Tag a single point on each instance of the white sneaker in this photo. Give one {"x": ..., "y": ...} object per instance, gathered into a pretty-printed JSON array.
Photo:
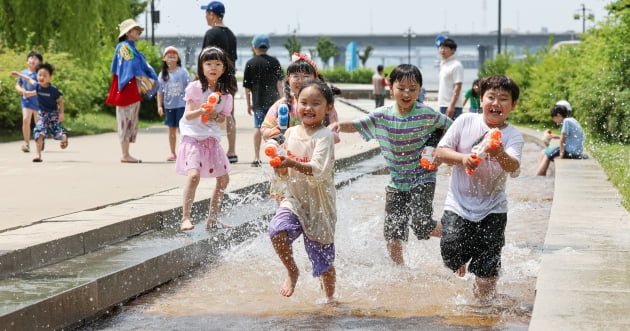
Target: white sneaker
[{"x": 26, "y": 148}]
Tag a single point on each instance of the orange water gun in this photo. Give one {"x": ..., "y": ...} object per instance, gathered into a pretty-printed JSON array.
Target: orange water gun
[
  {"x": 428, "y": 161},
  {"x": 274, "y": 150},
  {"x": 213, "y": 100},
  {"x": 492, "y": 140}
]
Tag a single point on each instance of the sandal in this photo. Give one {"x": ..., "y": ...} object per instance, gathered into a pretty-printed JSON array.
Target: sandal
[
  {"x": 64, "y": 142},
  {"x": 37, "y": 160},
  {"x": 232, "y": 158},
  {"x": 171, "y": 157}
]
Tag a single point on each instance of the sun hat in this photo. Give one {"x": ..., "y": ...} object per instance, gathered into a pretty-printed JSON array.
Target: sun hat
[
  {"x": 261, "y": 41},
  {"x": 128, "y": 25},
  {"x": 170, "y": 49},
  {"x": 564, "y": 103},
  {"x": 215, "y": 7}
]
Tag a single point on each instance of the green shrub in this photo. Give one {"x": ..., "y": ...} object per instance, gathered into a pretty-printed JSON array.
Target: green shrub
[{"x": 339, "y": 74}]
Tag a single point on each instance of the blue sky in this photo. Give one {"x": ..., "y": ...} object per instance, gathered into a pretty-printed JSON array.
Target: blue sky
[{"x": 334, "y": 17}]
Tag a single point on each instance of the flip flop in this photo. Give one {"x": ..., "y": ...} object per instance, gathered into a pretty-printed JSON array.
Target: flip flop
[
  {"x": 37, "y": 160},
  {"x": 130, "y": 161}
]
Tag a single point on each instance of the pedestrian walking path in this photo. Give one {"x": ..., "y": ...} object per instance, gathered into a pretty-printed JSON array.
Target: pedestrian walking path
[{"x": 82, "y": 199}]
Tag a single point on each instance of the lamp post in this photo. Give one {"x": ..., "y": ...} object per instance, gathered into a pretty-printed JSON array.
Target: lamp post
[
  {"x": 409, "y": 34},
  {"x": 499, "y": 31},
  {"x": 583, "y": 16}
]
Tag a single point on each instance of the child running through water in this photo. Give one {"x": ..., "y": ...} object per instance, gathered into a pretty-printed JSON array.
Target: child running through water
[
  {"x": 309, "y": 207},
  {"x": 200, "y": 151},
  {"x": 403, "y": 129},
  {"x": 475, "y": 209},
  {"x": 170, "y": 96},
  {"x": 30, "y": 106},
  {"x": 51, "y": 108}
]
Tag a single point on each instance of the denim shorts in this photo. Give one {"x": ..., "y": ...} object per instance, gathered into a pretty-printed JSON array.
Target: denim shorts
[
  {"x": 477, "y": 242},
  {"x": 259, "y": 116},
  {"x": 172, "y": 117},
  {"x": 553, "y": 152}
]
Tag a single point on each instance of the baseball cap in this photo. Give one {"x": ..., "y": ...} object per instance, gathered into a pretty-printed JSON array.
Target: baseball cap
[
  {"x": 215, "y": 7},
  {"x": 261, "y": 41},
  {"x": 170, "y": 49},
  {"x": 564, "y": 103}
]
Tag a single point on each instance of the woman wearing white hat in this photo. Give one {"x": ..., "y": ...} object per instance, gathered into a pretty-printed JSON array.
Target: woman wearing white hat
[{"x": 130, "y": 72}]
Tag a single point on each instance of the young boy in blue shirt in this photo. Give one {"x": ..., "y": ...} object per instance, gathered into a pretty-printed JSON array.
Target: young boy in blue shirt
[
  {"x": 571, "y": 139},
  {"x": 51, "y": 108}
]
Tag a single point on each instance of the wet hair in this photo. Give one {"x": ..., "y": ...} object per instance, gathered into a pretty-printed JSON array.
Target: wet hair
[
  {"x": 450, "y": 43},
  {"x": 164, "y": 72},
  {"x": 500, "y": 82},
  {"x": 47, "y": 66},
  {"x": 559, "y": 109},
  {"x": 474, "y": 93},
  {"x": 37, "y": 55},
  {"x": 323, "y": 88},
  {"x": 405, "y": 71},
  {"x": 227, "y": 81}
]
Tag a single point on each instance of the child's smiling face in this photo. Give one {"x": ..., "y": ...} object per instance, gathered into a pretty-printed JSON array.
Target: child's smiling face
[
  {"x": 405, "y": 91},
  {"x": 497, "y": 105},
  {"x": 312, "y": 107}
]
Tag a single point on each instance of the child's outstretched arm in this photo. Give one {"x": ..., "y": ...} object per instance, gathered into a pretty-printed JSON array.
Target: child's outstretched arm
[
  {"x": 451, "y": 157},
  {"x": 346, "y": 126}
]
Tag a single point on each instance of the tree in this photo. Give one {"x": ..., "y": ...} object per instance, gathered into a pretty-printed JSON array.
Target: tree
[
  {"x": 366, "y": 54},
  {"x": 326, "y": 49},
  {"x": 80, "y": 28},
  {"x": 293, "y": 44}
]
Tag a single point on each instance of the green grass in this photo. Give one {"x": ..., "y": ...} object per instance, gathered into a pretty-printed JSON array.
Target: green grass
[
  {"x": 615, "y": 160},
  {"x": 86, "y": 124}
]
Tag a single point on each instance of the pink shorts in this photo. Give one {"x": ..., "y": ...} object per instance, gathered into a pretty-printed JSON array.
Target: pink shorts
[{"x": 206, "y": 155}]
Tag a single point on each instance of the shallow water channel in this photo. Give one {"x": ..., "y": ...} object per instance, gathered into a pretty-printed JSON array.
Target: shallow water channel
[{"x": 239, "y": 291}]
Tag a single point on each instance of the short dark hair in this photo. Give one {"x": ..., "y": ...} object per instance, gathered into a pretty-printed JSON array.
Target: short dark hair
[
  {"x": 37, "y": 55},
  {"x": 405, "y": 71},
  {"x": 559, "y": 109},
  {"x": 379, "y": 67},
  {"x": 500, "y": 82},
  {"x": 448, "y": 42},
  {"x": 49, "y": 67}
]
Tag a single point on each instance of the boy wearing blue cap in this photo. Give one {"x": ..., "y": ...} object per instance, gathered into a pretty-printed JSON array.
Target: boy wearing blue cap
[
  {"x": 262, "y": 81},
  {"x": 221, "y": 36}
]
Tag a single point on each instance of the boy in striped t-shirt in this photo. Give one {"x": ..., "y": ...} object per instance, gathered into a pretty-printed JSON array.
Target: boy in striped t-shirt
[{"x": 403, "y": 130}]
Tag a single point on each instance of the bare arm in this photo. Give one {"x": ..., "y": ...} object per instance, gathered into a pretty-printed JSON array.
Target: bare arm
[
  {"x": 563, "y": 140},
  {"x": 457, "y": 89},
  {"x": 248, "y": 100},
  {"x": 160, "y": 100},
  {"x": 61, "y": 106},
  {"x": 346, "y": 126},
  {"x": 451, "y": 157}
]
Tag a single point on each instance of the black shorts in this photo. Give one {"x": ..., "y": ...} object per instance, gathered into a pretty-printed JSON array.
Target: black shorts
[
  {"x": 404, "y": 209},
  {"x": 477, "y": 242}
]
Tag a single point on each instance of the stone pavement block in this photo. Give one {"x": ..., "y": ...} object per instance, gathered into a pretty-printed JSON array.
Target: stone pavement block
[
  {"x": 580, "y": 270},
  {"x": 580, "y": 310}
]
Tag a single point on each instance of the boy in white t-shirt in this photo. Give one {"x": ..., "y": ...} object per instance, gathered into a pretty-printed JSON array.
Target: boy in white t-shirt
[{"x": 475, "y": 210}]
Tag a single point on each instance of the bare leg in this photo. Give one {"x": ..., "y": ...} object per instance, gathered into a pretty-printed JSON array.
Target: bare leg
[
  {"x": 172, "y": 138},
  {"x": 27, "y": 114},
  {"x": 285, "y": 253},
  {"x": 543, "y": 164},
  {"x": 39, "y": 144},
  {"x": 215, "y": 203},
  {"x": 461, "y": 272},
  {"x": 192, "y": 181},
  {"x": 394, "y": 248},
  {"x": 126, "y": 157},
  {"x": 230, "y": 125},
  {"x": 485, "y": 289},
  {"x": 257, "y": 141},
  {"x": 329, "y": 279},
  {"x": 437, "y": 232}
]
